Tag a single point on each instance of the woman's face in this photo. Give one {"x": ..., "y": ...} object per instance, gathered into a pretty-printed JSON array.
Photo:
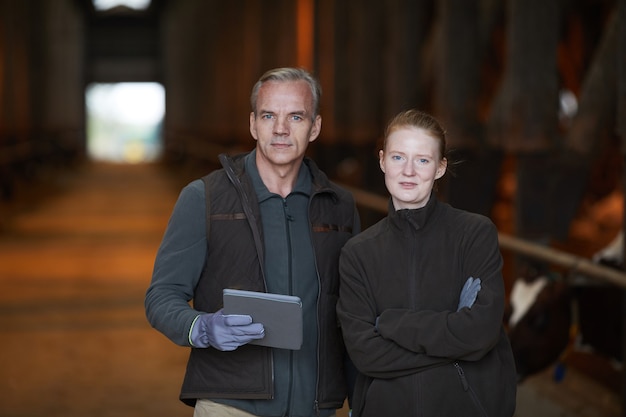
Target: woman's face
[{"x": 411, "y": 163}]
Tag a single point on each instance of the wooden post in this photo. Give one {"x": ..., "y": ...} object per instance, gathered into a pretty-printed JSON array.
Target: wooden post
[{"x": 621, "y": 131}]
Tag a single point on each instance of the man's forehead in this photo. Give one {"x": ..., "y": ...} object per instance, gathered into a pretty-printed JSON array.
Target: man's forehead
[{"x": 285, "y": 96}]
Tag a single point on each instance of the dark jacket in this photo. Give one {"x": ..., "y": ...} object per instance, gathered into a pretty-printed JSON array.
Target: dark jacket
[
  {"x": 400, "y": 286},
  {"x": 235, "y": 260}
]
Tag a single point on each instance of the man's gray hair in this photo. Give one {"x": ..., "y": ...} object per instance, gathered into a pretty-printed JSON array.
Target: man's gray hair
[{"x": 289, "y": 74}]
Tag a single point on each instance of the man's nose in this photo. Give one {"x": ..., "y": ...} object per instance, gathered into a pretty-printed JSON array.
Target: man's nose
[{"x": 280, "y": 126}]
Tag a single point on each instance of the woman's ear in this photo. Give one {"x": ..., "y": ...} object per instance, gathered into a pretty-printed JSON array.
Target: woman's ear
[
  {"x": 443, "y": 166},
  {"x": 381, "y": 160}
]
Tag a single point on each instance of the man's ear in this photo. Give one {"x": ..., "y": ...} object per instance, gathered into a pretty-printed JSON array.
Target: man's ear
[
  {"x": 316, "y": 128},
  {"x": 253, "y": 126}
]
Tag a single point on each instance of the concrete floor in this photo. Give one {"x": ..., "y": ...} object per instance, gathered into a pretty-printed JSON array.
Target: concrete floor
[{"x": 74, "y": 267}]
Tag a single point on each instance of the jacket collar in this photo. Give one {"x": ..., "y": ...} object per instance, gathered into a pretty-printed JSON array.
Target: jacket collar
[
  {"x": 235, "y": 165},
  {"x": 302, "y": 186},
  {"x": 414, "y": 218}
]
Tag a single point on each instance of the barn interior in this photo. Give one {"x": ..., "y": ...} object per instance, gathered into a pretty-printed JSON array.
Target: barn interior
[{"x": 532, "y": 95}]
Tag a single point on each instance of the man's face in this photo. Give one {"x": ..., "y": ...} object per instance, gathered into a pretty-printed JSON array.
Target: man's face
[{"x": 283, "y": 126}]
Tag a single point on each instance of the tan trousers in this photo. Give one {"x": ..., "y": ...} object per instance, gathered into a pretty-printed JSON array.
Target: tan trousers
[{"x": 208, "y": 408}]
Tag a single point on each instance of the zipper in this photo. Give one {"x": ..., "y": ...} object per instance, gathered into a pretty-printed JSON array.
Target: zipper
[
  {"x": 461, "y": 373},
  {"x": 317, "y": 309},
  {"x": 245, "y": 203},
  {"x": 412, "y": 272},
  {"x": 247, "y": 209},
  {"x": 467, "y": 388},
  {"x": 288, "y": 219}
]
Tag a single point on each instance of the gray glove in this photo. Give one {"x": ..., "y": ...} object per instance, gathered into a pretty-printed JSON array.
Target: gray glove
[
  {"x": 225, "y": 332},
  {"x": 469, "y": 293}
]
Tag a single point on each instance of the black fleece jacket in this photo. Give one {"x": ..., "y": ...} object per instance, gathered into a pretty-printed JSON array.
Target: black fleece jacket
[{"x": 399, "y": 291}]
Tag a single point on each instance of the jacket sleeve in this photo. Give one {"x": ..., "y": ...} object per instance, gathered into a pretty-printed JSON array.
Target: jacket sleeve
[
  {"x": 468, "y": 334},
  {"x": 372, "y": 354},
  {"x": 178, "y": 266}
]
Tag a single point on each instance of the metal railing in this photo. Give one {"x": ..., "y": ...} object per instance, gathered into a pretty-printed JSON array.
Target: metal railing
[{"x": 574, "y": 264}]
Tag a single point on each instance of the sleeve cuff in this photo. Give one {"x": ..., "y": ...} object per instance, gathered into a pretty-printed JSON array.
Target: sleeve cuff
[{"x": 191, "y": 331}]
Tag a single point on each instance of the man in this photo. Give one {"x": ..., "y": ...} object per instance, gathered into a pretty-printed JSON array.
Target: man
[{"x": 277, "y": 224}]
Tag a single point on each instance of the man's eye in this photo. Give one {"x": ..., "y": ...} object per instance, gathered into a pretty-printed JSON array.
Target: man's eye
[
  {"x": 296, "y": 118},
  {"x": 266, "y": 116}
]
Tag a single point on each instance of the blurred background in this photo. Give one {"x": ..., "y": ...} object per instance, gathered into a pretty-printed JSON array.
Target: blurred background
[{"x": 109, "y": 107}]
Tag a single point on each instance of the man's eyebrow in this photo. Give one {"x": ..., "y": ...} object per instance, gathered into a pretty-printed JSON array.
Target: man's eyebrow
[{"x": 291, "y": 113}]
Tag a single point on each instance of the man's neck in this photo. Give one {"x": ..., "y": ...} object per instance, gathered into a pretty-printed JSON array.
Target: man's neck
[{"x": 280, "y": 179}]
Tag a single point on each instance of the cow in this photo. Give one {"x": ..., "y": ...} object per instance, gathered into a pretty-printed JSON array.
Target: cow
[
  {"x": 548, "y": 316},
  {"x": 538, "y": 321},
  {"x": 613, "y": 254}
]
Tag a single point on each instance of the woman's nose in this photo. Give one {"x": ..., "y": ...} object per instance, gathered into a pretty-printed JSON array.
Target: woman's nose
[{"x": 409, "y": 169}]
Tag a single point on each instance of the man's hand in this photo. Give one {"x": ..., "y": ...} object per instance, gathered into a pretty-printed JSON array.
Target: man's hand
[
  {"x": 225, "y": 332},
  {"x": 469, "y": 293}
]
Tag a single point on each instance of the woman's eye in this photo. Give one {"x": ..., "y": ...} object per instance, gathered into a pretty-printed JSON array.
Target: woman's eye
[{"x": 396, "y": 157}]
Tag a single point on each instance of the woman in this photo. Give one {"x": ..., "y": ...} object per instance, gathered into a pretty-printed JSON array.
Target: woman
[{"x": 422, "y": 295}]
